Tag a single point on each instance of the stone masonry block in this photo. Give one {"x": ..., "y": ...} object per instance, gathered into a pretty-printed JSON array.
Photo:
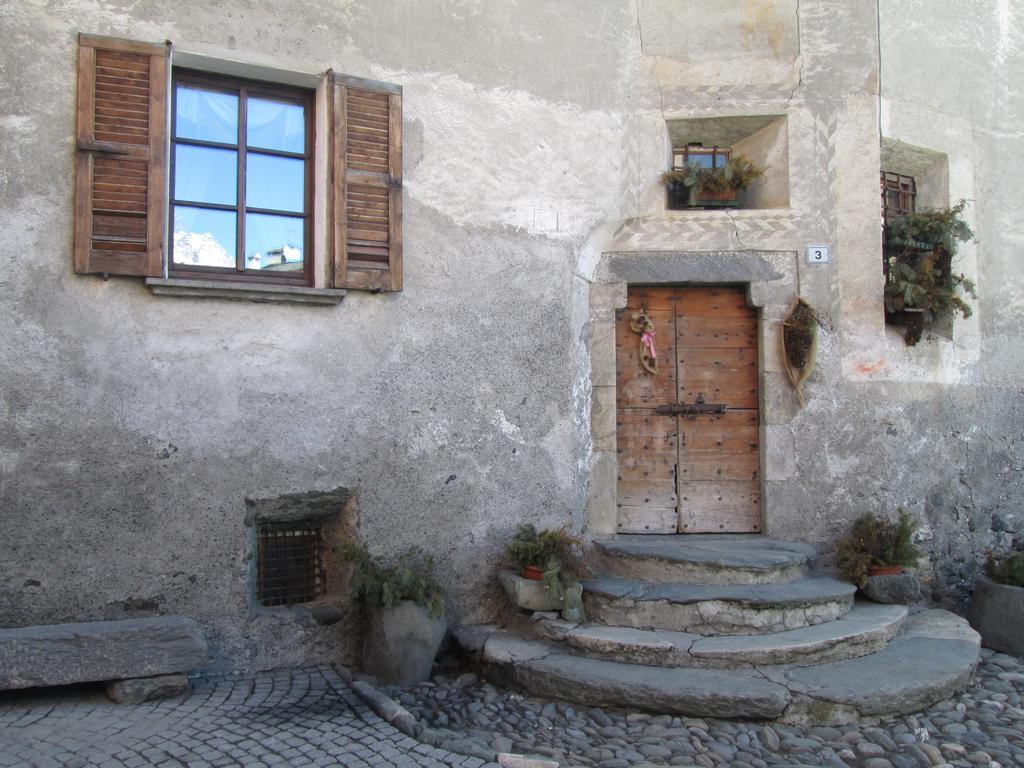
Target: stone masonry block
[
  {"x": 60, "y": 654},
  {"x": 142, "y": 689}
]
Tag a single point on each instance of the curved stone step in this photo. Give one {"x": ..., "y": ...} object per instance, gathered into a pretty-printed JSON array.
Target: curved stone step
[
  {"x": 865, "y": 629},
  {"x": 704, "y": 558},
  {"x": 931, "y": 660},
  {"x": 717, "y": 609}
]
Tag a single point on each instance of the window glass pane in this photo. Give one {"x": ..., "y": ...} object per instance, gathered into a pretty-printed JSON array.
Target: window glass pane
[
  {"x": 205, "y": 114},
  {"x": 274, "y": 182},
  {"x": 277, "y": 125},
  {"x": 274, "y": 242},
  {"x": 205, "y": 175},
  {"x": 699, "y": 159},
  {"x": 203, "y": 237}
]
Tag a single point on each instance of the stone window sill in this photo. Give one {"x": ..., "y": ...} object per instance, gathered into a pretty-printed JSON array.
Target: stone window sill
[{"x": 215, "y": 289}]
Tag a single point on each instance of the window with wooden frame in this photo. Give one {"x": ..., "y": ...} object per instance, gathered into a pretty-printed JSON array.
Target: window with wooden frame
[
  {"x": 241, "y": 181},
  {"x": 239, "y": 164},
  {"x": 899, "y": 195}
]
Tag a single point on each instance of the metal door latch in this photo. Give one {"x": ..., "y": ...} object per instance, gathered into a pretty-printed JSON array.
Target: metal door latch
[{"x": 689, "y": 409}]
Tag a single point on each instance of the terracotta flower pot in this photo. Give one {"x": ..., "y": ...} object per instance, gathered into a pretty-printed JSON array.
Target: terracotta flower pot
[{"x": 533, "y": 572}]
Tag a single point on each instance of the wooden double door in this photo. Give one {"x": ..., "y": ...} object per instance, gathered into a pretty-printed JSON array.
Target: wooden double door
[{"x": 688, "y": 458}]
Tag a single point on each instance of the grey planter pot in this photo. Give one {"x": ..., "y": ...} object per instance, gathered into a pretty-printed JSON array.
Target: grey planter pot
[
  {"x": 997, "y": 613},
  {"x": 401, "y": 643}
]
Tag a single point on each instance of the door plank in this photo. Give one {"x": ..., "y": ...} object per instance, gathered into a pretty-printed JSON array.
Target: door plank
[
  {"x": 713, "y": 465},
  {"x": 663, "y": 520},
  {"x": 713, "y": 302},
  {"x": 710, "y": 507},
  {"x": 704, "y": 332}
]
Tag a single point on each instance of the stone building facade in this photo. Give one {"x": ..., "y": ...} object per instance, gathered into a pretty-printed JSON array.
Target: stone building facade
[{"x": 145, "y": 436}]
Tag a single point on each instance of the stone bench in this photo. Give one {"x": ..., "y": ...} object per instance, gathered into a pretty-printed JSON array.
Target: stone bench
[{"x": 139, "y": 659}]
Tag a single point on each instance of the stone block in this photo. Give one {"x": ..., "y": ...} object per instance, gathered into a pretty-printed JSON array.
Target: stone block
[
  {"x": 997, "y": 612},
  {"x": 142, "y": 689},
  {"x": 602, "y": 353},
  {"x": 602, "y": 419},
  {"x": 401, "y": 643},
  {"x": 528, "y": 594},
  {"x": 895, "y": 589},
  {"x": 61, "y": 654}
]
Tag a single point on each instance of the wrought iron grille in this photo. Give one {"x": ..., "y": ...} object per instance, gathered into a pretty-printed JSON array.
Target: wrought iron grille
[
  {"x": 290, "y": 563},
  {"x": 899, "y": 194}
]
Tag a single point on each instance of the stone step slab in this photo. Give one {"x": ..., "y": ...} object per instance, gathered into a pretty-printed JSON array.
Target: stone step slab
[
  {"x": 717, "y": 609},
  {"x": 932, "y": 659},
  {"x": 866, "y": 629},
  {"x": 704, "y": 558},
  {"x": 95, "y": 651}
]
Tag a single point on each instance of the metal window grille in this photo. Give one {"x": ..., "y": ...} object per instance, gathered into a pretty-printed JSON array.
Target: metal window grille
[
  {"x": 290, "y": 563},
  {"x": 899, "y": 194}
]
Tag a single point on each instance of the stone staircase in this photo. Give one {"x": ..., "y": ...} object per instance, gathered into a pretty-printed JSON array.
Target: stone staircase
[{"x": 730, "y": 626}]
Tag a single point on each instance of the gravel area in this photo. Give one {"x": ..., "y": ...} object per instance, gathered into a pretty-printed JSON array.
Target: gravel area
[{"x": 982, "y": 727}]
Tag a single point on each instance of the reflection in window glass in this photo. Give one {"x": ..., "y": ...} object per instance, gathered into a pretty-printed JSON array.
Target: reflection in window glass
[
  {"x": 206, "y": 115},
  {"x": 204, "y": 237},
  {"x": 205, "y": 175},
  {"x": 274, "y": 242},
  {"x": 274, "y": 182},
  {"x": 278, "y": 125}
]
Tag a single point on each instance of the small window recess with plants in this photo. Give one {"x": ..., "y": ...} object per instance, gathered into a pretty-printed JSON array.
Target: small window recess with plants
[
  {"x": 921, "y": 234},
  {"x": 728, "y": 162}
]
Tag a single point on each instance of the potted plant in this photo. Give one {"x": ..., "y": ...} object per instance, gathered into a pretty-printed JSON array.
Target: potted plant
[
  {"x": 692, "y": 185},
  {"x": 997, "y": 606},
  {"x": 876, "y": 546},
  {"x": 920, "y": 285},
  {"x": 406, "y": 613},
  {"x": 551, "y": 557}
]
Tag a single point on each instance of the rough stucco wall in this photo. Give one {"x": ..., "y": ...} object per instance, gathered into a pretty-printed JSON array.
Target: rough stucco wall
[
  {"x": 963, "y": 435},
  {"x": 133, "y": 427}
]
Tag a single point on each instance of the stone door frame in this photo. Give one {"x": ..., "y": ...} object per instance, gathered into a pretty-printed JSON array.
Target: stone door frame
[{"x": 772, "y": 284}]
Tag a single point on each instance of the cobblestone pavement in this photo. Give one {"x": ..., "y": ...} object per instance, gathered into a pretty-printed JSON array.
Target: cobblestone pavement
[
  {"x": 296, "y": 717},
  {"x": 981, "y": 728}
]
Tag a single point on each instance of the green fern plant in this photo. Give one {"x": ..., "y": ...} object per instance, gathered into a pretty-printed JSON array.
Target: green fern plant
[
  {"x": 554, "y": 551},
  {"x": 877, "y": 541},
  {"x": 919, "y": 251},
  {"x": 377, "y": 582}
]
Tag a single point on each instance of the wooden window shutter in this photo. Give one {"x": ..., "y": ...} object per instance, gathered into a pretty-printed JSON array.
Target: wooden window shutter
[
  {"x": 367, "y": 184},
  {"x": 121, "y": 166}
]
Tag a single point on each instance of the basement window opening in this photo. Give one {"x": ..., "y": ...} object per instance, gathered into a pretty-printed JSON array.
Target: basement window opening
[{"x": 290, "y": 564}]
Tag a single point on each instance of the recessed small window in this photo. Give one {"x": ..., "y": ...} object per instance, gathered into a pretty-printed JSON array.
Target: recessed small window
[
  {"x": 289, "y": 562},
  {"x": 899, "y": 195},
  {"x": 241, "y": 184}
]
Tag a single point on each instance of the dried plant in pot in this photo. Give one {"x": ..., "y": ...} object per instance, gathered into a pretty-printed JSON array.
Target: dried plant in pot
[
  {"x": 405, "y": 606},
  {"x": 920, "y": 284},
  {"x": 695, "y": 186},
  {"x": 877, "y": 546},
  {"x": 552, "y": 556}
]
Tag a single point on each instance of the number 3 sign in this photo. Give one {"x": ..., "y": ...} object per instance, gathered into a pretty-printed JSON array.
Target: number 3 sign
[{"x": 817, "y": 254}]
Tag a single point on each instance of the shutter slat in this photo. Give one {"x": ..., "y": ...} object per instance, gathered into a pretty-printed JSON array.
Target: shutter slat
[
  {"x": 367, "y": 191},
  {"x": 119, "y": 198}
]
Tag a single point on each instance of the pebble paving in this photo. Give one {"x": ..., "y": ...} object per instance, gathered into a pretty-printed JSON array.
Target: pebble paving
[
  {"x": 983, "y": 727},
  {"x": 310, "y": 717}
]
